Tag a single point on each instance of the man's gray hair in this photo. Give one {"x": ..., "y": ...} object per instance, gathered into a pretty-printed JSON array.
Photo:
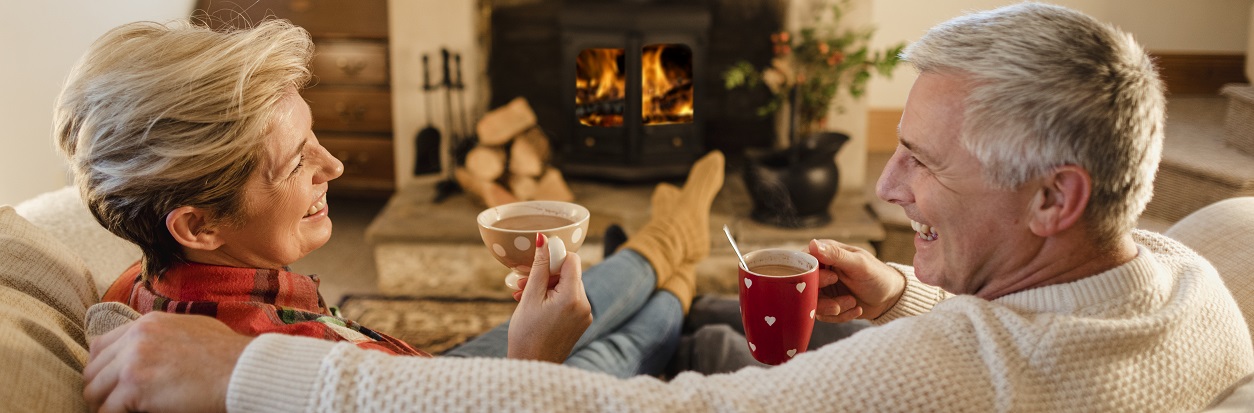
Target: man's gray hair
[{"x": 1053, "y": 87}]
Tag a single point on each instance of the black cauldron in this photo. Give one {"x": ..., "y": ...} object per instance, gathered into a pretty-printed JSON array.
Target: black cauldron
[{"x": 794, "y": 187}]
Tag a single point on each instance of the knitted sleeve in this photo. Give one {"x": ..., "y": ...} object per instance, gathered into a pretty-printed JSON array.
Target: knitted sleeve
[
  {"x": 1160, "y": 333},
  {"x": 294, "y": 374},
  {"x": 918, "y": 298}
]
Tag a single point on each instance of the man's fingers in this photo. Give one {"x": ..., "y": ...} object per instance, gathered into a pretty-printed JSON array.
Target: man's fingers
[
  {"x": 827, "y": 276},
  {"x": 835, "y": 254},
  {"x": 119, "y": 401},
  {"x": 103, "y": 350},
  {"x": 831, "y": 306},
  {"x": 98, "y": 387},
  {"x": 844, "y": 317}
]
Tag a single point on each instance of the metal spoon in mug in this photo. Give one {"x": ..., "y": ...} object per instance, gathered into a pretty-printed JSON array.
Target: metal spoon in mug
[{"x": 735, "y": 248}]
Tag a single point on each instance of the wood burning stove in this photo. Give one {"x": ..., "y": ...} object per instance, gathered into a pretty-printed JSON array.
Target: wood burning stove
[{"x": 632, "y": 87}]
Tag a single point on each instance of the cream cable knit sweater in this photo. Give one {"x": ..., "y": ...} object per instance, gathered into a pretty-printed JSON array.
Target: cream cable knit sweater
[{"x": 1160, "y": 333}]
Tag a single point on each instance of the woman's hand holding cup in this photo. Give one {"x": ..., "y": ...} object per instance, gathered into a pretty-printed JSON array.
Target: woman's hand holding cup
[{"x": 553, "y": 309}]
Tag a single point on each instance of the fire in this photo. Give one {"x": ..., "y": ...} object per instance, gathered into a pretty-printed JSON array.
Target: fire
[
  {"x": 666, "y": 87},
  {"x": 599, "y": 84}
]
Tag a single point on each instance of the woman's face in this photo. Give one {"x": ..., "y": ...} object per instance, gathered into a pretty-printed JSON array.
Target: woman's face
[{"x": 285, "y": 201}]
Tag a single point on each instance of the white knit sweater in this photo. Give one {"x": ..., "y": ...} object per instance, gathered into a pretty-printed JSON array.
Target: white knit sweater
[{"x": 1158, "y": 334}]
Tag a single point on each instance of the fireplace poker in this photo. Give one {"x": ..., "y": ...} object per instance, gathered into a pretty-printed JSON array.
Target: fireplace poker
[
  {"x": 427, "y": 142},
  {"x": 449, "y": 185},
  {"x": 468, "y": 134}
]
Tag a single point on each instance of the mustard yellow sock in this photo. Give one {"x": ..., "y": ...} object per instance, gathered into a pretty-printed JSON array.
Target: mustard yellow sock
[
  {"x": 677, "y": 236},
  {"x": 683, "y": 283}
]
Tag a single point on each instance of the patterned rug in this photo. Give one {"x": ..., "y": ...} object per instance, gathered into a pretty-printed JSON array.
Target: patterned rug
[{"x": 431, "y": 324}]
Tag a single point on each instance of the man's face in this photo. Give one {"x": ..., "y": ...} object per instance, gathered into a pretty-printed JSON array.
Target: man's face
[{"x": 968, "y": 231}]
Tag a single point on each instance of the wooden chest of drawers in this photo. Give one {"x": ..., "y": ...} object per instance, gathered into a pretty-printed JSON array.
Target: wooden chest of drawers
[{"x": 350, "y": 95}]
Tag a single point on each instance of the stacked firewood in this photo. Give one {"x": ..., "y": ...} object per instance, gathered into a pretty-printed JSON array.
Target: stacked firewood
[{"x": 510, "y": 162}]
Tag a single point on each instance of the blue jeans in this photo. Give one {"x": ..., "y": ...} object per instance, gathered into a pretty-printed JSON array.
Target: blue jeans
[{"x": 635, "y": 327}]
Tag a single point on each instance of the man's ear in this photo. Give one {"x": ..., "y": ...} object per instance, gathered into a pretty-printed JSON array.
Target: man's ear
[
  {"x": 1061, "y": 200},
  {"x": 192, "y": 228}
]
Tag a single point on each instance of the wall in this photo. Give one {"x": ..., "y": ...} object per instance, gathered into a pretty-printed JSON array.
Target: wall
[
  {"x": 424, "y": 26},
  {"x": 39, "y": 43},
  {"x": 1211, "y": 26},
  {"x": 40, "y": 40}
]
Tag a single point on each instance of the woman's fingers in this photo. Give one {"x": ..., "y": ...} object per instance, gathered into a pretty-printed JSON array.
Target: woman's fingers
[{"x": 539, "y": 272}]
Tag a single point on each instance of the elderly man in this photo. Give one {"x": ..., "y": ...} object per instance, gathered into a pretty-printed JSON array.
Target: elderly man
[{"x": 1028, "y": 149}]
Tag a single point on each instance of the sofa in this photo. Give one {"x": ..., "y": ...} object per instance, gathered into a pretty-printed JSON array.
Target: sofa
[{"x": 56, "y": 261}]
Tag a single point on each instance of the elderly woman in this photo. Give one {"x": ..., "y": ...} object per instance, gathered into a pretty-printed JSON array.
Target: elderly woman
[{"x": 196, "y": 146}]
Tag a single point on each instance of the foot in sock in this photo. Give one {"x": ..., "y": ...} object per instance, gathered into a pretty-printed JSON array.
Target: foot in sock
[
  {"x": 682, "y": 282},
  {"x": 614, "y": 238},
  {"x": 677, "y": 236}
]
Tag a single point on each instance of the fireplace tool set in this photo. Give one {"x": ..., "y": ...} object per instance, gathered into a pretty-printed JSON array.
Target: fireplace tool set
[{"x": 460, "y": 137}]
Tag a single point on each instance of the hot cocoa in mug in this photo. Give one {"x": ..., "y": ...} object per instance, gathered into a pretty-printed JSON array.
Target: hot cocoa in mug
[
  {"x": 532, "y": 222},
  {"x": 776, "y": 270},
  {"x": 509, "y": 232}
]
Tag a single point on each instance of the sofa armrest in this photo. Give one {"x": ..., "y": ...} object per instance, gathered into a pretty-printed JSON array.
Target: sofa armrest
[
  {"x": 46, "y": 291},
  {"x": 1238, "y": 398}
]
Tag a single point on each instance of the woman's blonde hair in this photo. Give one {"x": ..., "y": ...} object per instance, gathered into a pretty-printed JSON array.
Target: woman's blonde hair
[{"x": 159, "y": 116}]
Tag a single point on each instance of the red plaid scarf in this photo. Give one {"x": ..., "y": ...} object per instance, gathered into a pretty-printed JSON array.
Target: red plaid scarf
[{"x": 250, "y": 301}]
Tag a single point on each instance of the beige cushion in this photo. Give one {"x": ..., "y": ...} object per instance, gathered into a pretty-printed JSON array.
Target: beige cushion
[
  {"x": 1223, "y": 233},
  {"x": 63, "y": 215},
  {"x": 1238, "y": 398},
  {"x": 45, "y": 290},
  {"x": 1239, "y": 122}
]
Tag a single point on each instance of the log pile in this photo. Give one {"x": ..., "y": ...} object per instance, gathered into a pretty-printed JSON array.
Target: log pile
[{"x": 510, "y": 162}]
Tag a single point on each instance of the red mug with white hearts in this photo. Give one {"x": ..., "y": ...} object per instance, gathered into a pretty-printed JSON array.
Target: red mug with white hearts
[{"x": 778, "y": 295}]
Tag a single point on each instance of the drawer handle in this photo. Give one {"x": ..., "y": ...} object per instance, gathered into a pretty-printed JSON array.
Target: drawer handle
[
  {"x": 350, "y": 113},
  {"x": 350, "y": 67}
]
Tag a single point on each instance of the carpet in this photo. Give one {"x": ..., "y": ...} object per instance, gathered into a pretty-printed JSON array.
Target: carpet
[{"x": 431, "y": 324}]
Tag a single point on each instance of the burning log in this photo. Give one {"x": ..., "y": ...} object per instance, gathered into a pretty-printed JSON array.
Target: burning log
[
  {"x": 604, "y": 107},
  {"x": 677, "y": 96},
  {"x": 512, "y": 163}
]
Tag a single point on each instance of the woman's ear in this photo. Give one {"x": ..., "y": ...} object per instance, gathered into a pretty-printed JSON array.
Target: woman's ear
[
  {"x": 1061, "y": 200},
  {"x": 191, "y": 227}
]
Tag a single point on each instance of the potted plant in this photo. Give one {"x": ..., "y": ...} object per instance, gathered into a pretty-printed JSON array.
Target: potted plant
[{"x": 794, "y": 186}]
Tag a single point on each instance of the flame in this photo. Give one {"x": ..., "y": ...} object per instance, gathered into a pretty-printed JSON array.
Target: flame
[
  {"x": 667, "y": 90},
  {"x": 666, "y": 87},
  {"x": 599, "y": 79}
]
